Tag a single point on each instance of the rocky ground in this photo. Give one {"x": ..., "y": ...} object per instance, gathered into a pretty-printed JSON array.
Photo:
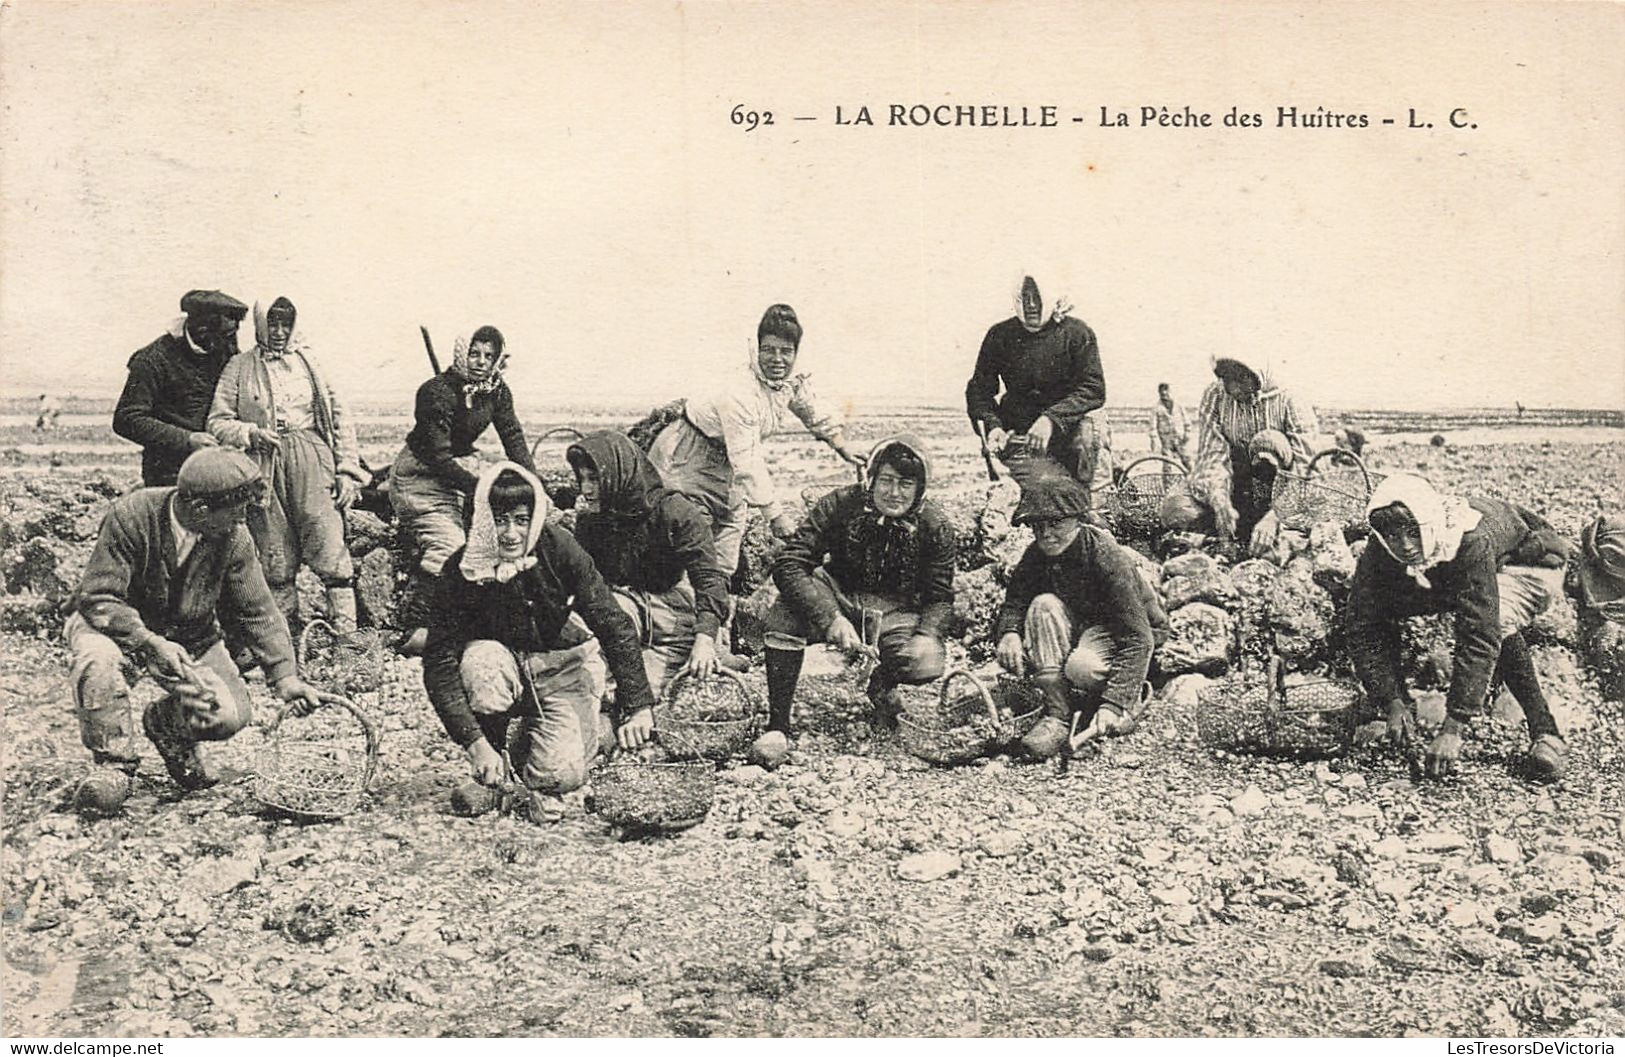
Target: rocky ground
[{"x": 1158, "y": 886}]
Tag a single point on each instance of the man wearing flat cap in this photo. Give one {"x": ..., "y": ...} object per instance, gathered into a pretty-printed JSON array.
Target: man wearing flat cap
[
  {"x": 165, "y": 560},
  {"x": 165, "y": 403}
]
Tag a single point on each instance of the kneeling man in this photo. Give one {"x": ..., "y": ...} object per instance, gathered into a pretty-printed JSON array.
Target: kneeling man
[{"x": 165, "y": 561}]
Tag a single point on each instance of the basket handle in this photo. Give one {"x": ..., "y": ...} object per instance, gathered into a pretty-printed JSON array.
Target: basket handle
[
  {"x": 981, "y": 689},
  {"x": 575, "y": 434},
  {"x": 1345, "y": 455},
  {"x": 1163, "y": 459},
  {"x": 302, "y": 653},
  {"x": 367, "y": 729}
]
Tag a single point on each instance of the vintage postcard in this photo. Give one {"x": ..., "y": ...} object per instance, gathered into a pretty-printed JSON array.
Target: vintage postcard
[{"x": 811, "y": 519}]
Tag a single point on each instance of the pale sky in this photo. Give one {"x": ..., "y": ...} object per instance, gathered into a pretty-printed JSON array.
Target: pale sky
[{"x": 570, "y": 174}]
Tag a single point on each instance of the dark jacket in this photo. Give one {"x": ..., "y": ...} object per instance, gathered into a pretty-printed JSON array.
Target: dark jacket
[
  {"x": 1382, "y": 593},
  {"x": 1054, "y": 372},
  {"x": 131, "y": 585},
  {"x": 528, "y": 614},
  {"x": 166, "y": 396},
  {"x": 648, "y": 536},
  {"x": 909, "y": 558},
  {"x": 445, "y": 427},
  {"x": 1097, "y": 580}
]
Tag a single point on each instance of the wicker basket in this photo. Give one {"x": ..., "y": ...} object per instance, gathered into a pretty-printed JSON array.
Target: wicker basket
[
  {"x": 352, "y": 663},
  {"x": 317, "y": 777},
  {"x": 709, "y": 719},
  {"x": 664, "y": 797},
  {"x": 1021, "y": 704},
  {"x": 1336, "y": 491},
  {"x": 964, "y": 728},
  {"x": 1133, "y": 505},
  {"x": 1299, "y": 716}
]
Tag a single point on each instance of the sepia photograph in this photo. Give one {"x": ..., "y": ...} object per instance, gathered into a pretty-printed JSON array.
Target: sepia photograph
[{"x": 721, "y": 519}]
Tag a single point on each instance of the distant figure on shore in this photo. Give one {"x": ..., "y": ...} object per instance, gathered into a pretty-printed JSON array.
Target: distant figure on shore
[
  {"x": 1350, "y": 439},
  {"x": 1170, "y": 429},
  {"x": 49, "y": 409},
  {"x": 1520, "y": 407}
]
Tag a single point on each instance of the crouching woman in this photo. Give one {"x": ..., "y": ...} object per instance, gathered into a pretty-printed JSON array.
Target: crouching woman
[
  {"x": 502, "y": 647},
  {"x": 871, "y": 567},
  {"x": 1496, "y": 567},
  {"x": 1080, "y": 615}
]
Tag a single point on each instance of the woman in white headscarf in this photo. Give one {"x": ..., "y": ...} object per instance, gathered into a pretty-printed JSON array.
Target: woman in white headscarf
[
  {"x": 434, "y": 475},
  {"x": 1496, "y": 566},
  {"x": 273, "y": 402},
  {"x": 715, "y": 452},
  {"x": 510, "y": 668},
  {"x": 1049, "y": 365}
]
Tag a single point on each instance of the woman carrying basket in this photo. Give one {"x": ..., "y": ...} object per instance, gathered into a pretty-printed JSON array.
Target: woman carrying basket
[
  {"x": 1248, "y": 429},
  {"x": 1494, "y": 565},
  {"x": 715, "y": 452}
]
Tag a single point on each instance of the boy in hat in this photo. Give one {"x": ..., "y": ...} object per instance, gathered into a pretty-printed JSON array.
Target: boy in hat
[
  {"x": 1079, "y": 613},
  {"x": 870, "y": 568},
  {"x": 164, "y": 562},
  {"x": 165, "y": 403},
  {"x": 1494, "y": 565},
  {"x": 503, "y": 644}
]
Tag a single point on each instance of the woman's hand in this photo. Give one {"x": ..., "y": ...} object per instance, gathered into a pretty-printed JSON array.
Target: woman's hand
[
  {"x": 345, "y": 492},
  {"x": 635, "y": 732},
  {"x": 702, "y": 659},
  {"x": 783, "y": 526},
  {"x": 489, "y": 769}
]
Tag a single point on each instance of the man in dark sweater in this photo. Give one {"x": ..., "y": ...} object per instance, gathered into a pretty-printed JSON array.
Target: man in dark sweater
[
  {"x": 502, "y": 644},
  {"x": 165, "y": 403},
  {"x": 871, "y": 569},
  {"x": 653, "y": 546},
  {"x": 1079, "y": 611},
  {"x": 164, "y": 562},
  {"x": 1494, "y": 565},
  {"x": 1049, "y": 364}
]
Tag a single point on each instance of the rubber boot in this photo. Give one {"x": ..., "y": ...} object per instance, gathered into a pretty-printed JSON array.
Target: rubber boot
[
  {"x": 883, "y": 700},
  {"x": 1049, "y": 734},
  {"x": 783, "y": 673},
  {"x": 414, "y": 613}
]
